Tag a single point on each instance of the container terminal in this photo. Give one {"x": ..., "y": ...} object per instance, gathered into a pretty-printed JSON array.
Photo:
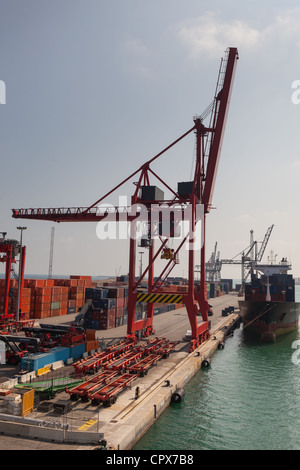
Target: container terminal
[
  {"x": 112, "y": 390},
  {"x": 144, "y": 359}
]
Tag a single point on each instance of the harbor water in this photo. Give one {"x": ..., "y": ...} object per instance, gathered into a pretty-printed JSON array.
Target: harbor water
[{"x": 249, "y": 399}]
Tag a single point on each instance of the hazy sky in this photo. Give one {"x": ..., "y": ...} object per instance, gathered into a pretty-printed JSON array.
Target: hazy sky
[{"x": 95, "y": 88}]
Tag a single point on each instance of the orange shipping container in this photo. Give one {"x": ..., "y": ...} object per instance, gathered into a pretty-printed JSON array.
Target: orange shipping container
[
  {"x": 25, "y": 308},
  {"x": 26, "y": 292},
  {"x": 36, "y": 282},
  {"x": 25, "y": 301},
  {"x": 42, "y": 298},
  {"x": 45, "y": 314},
  {"x": 91, "y": 345},
  {"x": 13, "y": 283},
  {"x": 81, "y": 277},
  {"x": 43, "y": 291},
  {"x": 79, "y": 303}
]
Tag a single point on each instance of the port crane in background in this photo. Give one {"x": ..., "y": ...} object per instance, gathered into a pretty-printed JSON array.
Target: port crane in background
[
  {"x": 250, "y": 257},
  {"x": 212, "y": 267},
  {"x": 189, "y": 195}
]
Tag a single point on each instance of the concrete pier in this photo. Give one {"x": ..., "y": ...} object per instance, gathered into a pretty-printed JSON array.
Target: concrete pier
[{"x": 123, "y": 424}]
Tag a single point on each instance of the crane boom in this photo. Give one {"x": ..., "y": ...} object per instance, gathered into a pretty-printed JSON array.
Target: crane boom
[{"x": 222, "y": 100}]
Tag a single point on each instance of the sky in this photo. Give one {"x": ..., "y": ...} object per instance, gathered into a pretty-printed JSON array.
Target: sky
[{"x": 94, "y": 88}]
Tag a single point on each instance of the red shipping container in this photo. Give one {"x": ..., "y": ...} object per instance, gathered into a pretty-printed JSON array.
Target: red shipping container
[
  {"x": 49, "y": 283},
  {"x": 55, "y": 312},
  {"x": 45, "y": 314},
  {"x": 42, "y": 298},
  {"x": 119, "y": 312},
  {"x": 116, "y": 292},
  {"x": 13, "y": 283},
  {"x": 81, "y": 277},
  {"x": 55, "y": 298},
  {"x": 56, "y": 290},
  {"x": 41, "y": 307},
  {"x": 43, "y": 291},
  {"x": 120, "y": 302},
  {"x": 70, "y": 282},
  {"x": 36, "y": 283}
]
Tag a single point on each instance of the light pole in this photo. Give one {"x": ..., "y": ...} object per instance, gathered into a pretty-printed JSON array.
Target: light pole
[{"x": 20, "y": 273}]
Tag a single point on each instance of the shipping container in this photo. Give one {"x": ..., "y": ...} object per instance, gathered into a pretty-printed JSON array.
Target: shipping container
[
  {"x": 33, "y": 362},
  {"x": 152, "y": 193},
  {"x": 77, "y": 350}
]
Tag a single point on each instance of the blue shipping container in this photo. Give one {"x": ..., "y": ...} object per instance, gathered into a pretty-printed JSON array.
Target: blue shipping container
[
  {"x": 77, "y": 350},
  {"x": 33, "y": 362}
]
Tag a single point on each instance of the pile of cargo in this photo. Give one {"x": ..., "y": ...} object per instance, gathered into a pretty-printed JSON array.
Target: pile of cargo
[
  {"x": 218, "y": 288},
  {"x": 109, "y": 307},
  {"x": 44, "y": 298}
]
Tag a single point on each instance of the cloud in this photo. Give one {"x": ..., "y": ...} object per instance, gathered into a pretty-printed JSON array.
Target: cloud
[
  {"x": 139, "y": 57},
  {"x": 211, "y": 34}
]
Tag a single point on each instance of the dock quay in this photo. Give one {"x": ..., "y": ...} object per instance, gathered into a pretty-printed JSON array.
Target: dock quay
[{"x": 119, "y": 426}]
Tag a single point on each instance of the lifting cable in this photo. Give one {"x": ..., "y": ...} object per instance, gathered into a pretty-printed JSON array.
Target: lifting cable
[{"x": 245, "y": 326}]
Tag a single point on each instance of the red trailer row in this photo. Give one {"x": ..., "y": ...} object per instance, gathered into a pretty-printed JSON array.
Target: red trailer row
[
  {"x": 82, "y": 390},
  {"x": 91, "y": 364},
  {"x": 121, "y": 364}
]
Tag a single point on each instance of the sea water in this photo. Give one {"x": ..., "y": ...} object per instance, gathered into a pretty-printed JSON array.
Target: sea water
[{"x": 249, "y": 399}]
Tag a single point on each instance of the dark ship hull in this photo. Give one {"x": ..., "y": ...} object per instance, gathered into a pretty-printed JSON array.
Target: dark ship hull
[
  {"x": 269, "y": 319},
  {"x": 269, "y": 308}
]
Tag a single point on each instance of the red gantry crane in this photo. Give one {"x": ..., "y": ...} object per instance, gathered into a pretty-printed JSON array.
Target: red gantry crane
[
  {"x": 183, "y": 206},
  {"x": 9, "y": 251}
]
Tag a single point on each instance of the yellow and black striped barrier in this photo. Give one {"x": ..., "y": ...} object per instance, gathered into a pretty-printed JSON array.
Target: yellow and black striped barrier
[{"x": 160, "y": 298}]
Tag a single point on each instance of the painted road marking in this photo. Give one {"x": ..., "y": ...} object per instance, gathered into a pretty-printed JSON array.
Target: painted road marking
[{"x": 87, "y": 425}]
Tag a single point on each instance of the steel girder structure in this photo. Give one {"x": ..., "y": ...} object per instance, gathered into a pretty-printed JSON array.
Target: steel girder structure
[
  {"x": 10, "y": 249},
  {"x": 208, "y": 147}
]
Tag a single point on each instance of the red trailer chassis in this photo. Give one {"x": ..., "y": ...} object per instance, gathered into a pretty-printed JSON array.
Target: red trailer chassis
[
  {"x": 92, "y": 363},
  {"x": 82, "y": 390},
  {"x": 107, "y": 394},
  {"x": 141, "y": 367}
]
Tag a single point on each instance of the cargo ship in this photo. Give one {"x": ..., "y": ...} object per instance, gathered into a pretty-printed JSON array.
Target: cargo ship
[{"x": 269, "y": 308}]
